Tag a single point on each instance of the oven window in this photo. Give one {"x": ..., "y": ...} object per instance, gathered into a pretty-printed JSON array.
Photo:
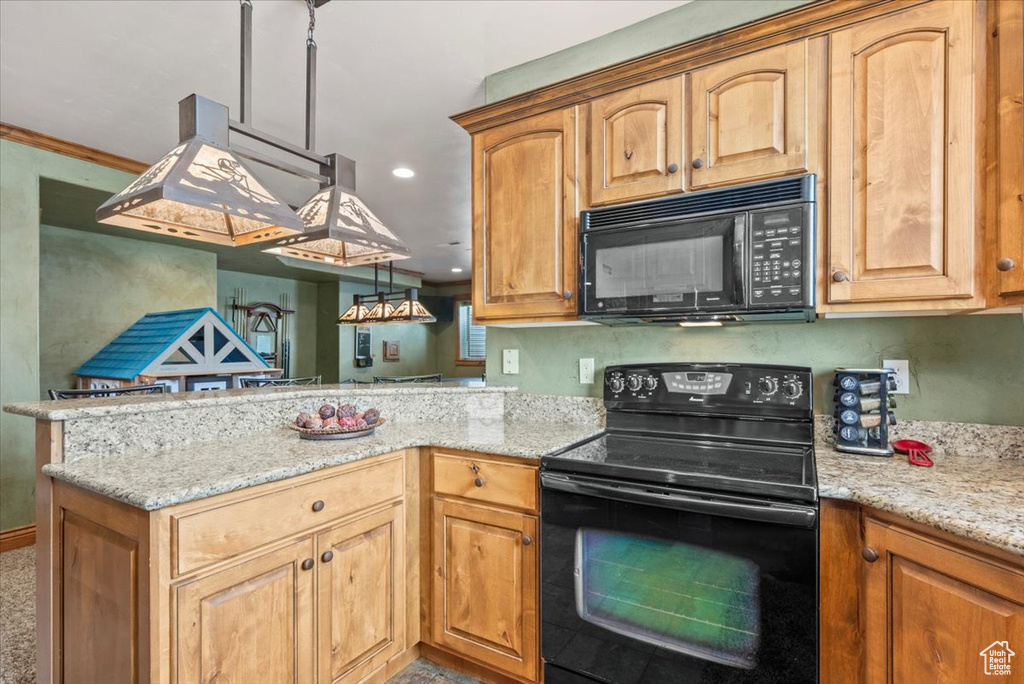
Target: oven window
[
  {"x": 677, "y": 596},
  {"x": 660, "y": 268}
]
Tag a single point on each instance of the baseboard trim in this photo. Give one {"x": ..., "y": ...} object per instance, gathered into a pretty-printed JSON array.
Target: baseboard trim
[{"x": 17, "y": 538}]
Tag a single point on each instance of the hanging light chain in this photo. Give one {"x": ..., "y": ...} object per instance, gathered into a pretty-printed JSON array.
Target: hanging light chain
[{"x": 312, "y": 22}]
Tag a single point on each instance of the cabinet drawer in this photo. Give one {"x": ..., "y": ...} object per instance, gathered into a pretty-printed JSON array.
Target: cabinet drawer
[
  {"x": 213, "y": 534},
  {"x": 483, "y": 480}
]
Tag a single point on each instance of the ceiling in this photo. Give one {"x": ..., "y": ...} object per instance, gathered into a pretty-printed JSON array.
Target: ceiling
[{"x": 108, "y": 74}]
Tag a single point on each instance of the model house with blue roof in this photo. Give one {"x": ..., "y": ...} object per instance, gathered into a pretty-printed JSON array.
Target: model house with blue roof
[{"x": 192, "y": 349}]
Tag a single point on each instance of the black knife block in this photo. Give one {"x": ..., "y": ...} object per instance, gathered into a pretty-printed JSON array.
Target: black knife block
[{"x": 863, "y": 412}]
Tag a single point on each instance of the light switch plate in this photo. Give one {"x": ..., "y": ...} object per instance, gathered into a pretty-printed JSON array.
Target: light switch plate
[
  {"x": 902, "y": 368},
  {"x": 510, "y": 361},
  {"x": 586, "y": 371}
]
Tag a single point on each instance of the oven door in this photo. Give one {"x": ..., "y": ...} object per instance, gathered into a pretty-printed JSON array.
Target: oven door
[
  {"x": 683, "y": 266},
  {"x": 645, "y": 585}
]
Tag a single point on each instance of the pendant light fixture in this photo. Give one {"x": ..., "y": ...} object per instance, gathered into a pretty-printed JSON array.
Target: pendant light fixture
[
  {"x": 201, "y": 190},
  {"x": 409, "y": 309}
]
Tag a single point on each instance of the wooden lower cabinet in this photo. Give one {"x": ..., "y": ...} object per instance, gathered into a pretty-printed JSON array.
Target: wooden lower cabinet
[
  {"x": 932, "y": 609},
  {"x": 907, "y": 604},
  {"x": 485, "y": 586},
  {"x": 250, "y": 622},
  {"x": 361, "y": 596}
]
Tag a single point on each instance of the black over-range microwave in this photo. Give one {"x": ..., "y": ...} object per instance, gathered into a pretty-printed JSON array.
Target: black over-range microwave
[{"x": 739, "y": 253}]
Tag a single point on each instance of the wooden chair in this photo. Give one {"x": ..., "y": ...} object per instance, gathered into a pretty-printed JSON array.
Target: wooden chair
[
  {"x": 279, "y": 382},
  {"x": 106, "y": 392},
  {"x": 388, "y": 379}
]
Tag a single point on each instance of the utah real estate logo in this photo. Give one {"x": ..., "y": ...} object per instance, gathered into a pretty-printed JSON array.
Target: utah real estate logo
[{"x": 997, "y": 658}]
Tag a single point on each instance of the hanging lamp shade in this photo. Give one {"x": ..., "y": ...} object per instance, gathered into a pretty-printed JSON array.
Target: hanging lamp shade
[
  {"x": 341, "y": 230},
  {"x": 201, "y": 191},
  {"x": 355, "y": 313},
  {"x": 410, "y": 310},
  {"x": 381, "y": 311}
]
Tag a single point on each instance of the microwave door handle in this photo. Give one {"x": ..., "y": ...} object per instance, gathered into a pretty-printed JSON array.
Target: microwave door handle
[{"x": 782, "y": 514}]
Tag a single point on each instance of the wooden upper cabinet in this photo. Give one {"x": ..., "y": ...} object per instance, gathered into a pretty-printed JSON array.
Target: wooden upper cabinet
[
  {"x": 634, "y": 143},
  {"x": 750, "y": 116},
  {"x": 250, "y": 622},
  {"x": 524, "y": 218},
  {"x": 1008, "y": 254},
  {"x": 931, "y": 609},
  {"x": 485, "y": 586},
  {"x": 361, "y": 595},
  {"x": 902, "y": 147}
]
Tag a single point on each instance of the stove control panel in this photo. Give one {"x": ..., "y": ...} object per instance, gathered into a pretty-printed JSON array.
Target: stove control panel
[{"x": 702, "y": 388}]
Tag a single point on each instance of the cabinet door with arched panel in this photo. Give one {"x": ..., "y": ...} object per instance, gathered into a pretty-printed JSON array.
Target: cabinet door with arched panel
[
  {"x": 634, "y": 146},
  {"x": 902, "y": 212},
  {"x": 750, "y": 116}
]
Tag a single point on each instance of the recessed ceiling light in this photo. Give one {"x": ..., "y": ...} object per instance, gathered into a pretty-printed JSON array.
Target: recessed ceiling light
[
  {"x": 403, "y": 172},
  {"x": 456, "y": 270}
]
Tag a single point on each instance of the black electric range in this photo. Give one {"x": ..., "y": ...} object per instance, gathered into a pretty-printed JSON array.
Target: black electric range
[{"x": 682, "y": 544}]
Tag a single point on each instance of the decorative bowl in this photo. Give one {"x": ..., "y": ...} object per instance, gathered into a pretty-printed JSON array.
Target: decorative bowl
[{"x": 336, "y": 433}]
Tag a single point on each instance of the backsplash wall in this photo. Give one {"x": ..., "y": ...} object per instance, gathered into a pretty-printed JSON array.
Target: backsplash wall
[{"x": 963, "y": 368}]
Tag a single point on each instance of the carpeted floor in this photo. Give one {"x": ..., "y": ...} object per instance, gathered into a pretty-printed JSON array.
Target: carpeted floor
[
  {"x": 18, "y": 616},
  {"x": 18, "y": 629}
]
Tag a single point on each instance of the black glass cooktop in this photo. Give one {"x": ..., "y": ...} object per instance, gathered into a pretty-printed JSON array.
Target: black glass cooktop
[{"x": 771, "y": 471}]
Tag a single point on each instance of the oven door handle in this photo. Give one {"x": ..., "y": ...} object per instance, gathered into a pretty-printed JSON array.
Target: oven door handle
[{"x": 665, "y": 497}]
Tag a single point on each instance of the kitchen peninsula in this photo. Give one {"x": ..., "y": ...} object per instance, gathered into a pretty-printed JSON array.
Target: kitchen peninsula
[{"x": 199, "y": 523}]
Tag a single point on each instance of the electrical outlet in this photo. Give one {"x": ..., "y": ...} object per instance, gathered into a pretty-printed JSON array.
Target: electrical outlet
[
  {"x": 586, "y": 371},
  {"x": 902, "y": 368},
  {"x": 510, "y": 361}
]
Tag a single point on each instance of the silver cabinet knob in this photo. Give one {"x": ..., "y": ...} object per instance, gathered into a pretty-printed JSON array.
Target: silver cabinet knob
[
  {"x": 672, "y": 168},
  {"x": 527, "y": 540},
  {"x": 869, "y": 554},
  {"x": 1005, "y": 264},
  {"x": 567, "y": 294},
  {"x": 697, "y": 163},
  {"x": 839, "y": 276}
]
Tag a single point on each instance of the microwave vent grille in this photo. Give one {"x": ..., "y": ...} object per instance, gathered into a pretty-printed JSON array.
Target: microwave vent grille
[{"x": 786, "y": 190}]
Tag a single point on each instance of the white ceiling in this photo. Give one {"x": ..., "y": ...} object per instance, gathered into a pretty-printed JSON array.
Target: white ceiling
[{"x": 108, "y": 74}]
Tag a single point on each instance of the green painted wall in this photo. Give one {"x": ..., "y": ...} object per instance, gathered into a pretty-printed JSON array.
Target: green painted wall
[
  {"x": 680, "y": 25},
  {"x": 327, "y": 332},
  {"x": 963, "y": 368},
  {"x": 302, "y": 297},
  {"x": 21, "y": 167},
  {"x": 92, "y": 287}
]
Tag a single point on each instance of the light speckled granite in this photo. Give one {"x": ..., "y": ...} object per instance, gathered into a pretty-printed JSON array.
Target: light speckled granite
[
  {"x": 196, "y": 422},
  {"x": 69, "y": 409},
  {"x": 961, "y": 439},
  {"x": 156, "y": 478},
  {"x": 974, "y": 497},
  {"x": 543, "y": 407}
]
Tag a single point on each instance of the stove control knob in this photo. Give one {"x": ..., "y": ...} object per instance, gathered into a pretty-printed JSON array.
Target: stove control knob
[
  {"x": 792, "y": 389},
  {"x": 768, "y": 386},
  {"x": 650, "y": 382},
  {"x": 633, "y": 383},
  {"x": 616, "y": 384}
]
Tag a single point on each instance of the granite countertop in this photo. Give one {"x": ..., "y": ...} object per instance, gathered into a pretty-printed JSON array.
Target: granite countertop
[
  {"x": 71, "y": 409},
  {"x": 164, "y": 477},
  {"x": 970, "y": 496}
]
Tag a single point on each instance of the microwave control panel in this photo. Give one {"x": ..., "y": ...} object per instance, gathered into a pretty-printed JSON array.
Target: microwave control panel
[{"x": 781, "y": 259}]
